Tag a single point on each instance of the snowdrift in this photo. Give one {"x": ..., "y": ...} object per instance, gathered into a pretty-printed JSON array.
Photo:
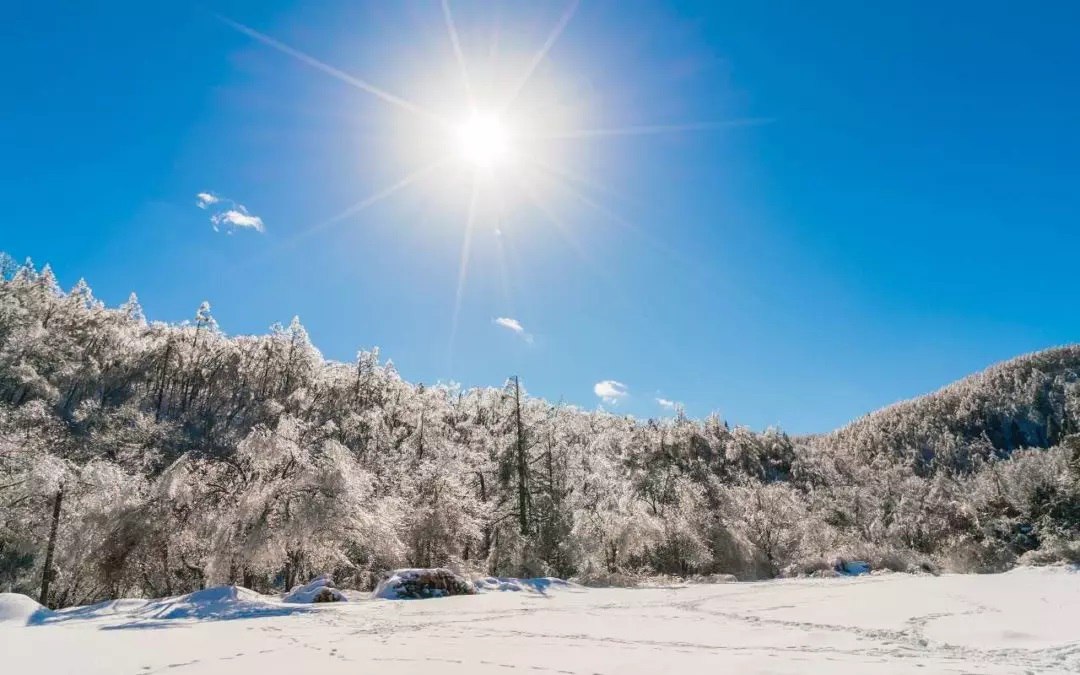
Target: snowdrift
[
  {"x": 220, "y": 602},
  {"x": 540, "y": 585},
  {"x": 16, "y": 608}
]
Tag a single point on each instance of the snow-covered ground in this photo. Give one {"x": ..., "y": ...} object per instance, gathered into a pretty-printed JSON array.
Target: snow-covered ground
[{"x": 1027, "y": 620}]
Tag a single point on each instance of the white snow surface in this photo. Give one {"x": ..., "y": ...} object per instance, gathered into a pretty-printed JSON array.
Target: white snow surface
[
  {"x": 542, "y": 585},
  {"x": 19, "y": 609},
  {"x": 1022, "y": 621}
]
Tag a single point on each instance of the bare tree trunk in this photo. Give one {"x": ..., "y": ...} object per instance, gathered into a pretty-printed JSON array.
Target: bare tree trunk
[
  {"x": 165, "y": 569},
  {"x": 420, "y": 443},
  {"x": 47, "y": 572},
  {"x": 522, "y": 465},
  {"x": 161, "y": 382},
  {"x": 486, "y": 543}
]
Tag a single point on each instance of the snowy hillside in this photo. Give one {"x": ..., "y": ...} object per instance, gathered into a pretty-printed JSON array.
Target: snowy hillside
[
  {"x": 145, "y": 459},
  {"x": 1021, "y": 621}
]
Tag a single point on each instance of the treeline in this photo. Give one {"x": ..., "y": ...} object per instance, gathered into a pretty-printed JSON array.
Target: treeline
[{"x": 143, "y": 458}]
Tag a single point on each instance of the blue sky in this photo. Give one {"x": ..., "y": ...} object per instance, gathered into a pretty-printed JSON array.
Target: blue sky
[{"x": 901, "y": 206}]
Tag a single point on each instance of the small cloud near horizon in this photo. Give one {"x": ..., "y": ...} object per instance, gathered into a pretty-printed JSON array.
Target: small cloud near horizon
[
  {"x": 514, "y": 326},
  {"x": 235, "y": 217},
  {"x": 611, "y": 391},
  {"x": 667, "y": 404}
]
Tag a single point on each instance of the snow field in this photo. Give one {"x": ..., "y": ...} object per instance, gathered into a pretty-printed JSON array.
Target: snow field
[{"x": 1022, "y": 621}]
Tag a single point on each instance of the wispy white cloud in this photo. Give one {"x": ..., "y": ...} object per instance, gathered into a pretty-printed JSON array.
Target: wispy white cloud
[
  {"x": 231, "y": 215},
  {"x": 610, "y": 391},
  {"x": 514, "y": 326},
  {"x": 235, "y": 218},
  {"x": 667, "y": 403},
  {"x": 205, "y": 199}
]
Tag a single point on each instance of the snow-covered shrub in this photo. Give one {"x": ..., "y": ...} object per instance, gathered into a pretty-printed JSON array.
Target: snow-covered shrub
[
  {"x": 712, "y": 579},
  {"x": 1054, "y": 551},
  {"x": 601, "y": 578},
  {"x": 768, "y": 516},
  {"x": 318, "y": 590},
  {"x": 983, "y": 556},
  {"x": 876, "y": 557},
  {"x": 421, "y": 584},
  {"x": 295, "y": 507}
]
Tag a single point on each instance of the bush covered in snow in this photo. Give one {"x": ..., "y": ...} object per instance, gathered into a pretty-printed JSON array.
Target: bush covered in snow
[
  {"x": 421, "y": 584},
  {"x": 318, "y": 590}
]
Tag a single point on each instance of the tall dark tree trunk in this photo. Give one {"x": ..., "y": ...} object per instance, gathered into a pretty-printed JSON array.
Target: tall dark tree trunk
[
  {"x": 522, "y": 463},
  {"x": 486, "y": 543},
  {"x": 420, "y": 440},
  {"x": 161, "y": 383},
  {"x": 47, "y": 572},
  {"x": 166, "y": 569}
]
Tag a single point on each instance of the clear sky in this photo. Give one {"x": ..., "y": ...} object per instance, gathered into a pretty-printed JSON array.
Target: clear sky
[{"x": 858, "y": 205}]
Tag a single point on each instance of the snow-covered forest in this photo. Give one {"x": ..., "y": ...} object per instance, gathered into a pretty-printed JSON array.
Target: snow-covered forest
[{"x": 148, "y": 459}]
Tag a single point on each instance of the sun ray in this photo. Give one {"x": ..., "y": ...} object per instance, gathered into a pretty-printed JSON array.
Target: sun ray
[
  {"x": 539, "y": 56},
  {"x": 593, "y": 265},
  {"x": 355, "y": 208},
  {"x": 379, "y": 196},
  {"x": 334, "y": 72},
  {"x": 504, "y": 272},
  {"x": 452, "y": 29},
  {"x": 500, "y": 247},
  {"x": 655, "y": 129},
  {"x": 463, "y": 264},
  {"x": 567, "y": 182},
  {"x": 564, "y": 230},
  {"x": 493, "y": 45},
  {"x": 655, "y": 242},
  {"x": 574, "y": 177}
]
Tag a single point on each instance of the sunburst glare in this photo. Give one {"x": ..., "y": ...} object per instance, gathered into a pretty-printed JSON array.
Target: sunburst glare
[
  {"x": 484, "y": 141},
  {"x": 504, "y": 128}
]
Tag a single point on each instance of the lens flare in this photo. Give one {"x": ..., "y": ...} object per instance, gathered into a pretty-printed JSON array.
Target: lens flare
[{"x": 484, "y": 141}]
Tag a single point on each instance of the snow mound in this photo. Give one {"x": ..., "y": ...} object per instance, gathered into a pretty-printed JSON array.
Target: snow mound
[
  {"x": 19, "y": 609},
  {"x": 109, "y": 609},
  {"x": 535, "y": 585},
  {"x": 420, "y": 584},
  {"x": 220, "y": 602},
  {"x": 319, "y": 589}
]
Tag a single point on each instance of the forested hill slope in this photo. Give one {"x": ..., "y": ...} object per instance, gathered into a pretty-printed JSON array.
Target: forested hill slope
[
  {"x": 145, "y": 458},
  {"x": 1032, "y": 401}
]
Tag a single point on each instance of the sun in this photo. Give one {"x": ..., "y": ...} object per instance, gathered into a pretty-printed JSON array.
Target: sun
[
  {"x": 506, "y": 121},
  {"x": 484, "y": 141}
]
